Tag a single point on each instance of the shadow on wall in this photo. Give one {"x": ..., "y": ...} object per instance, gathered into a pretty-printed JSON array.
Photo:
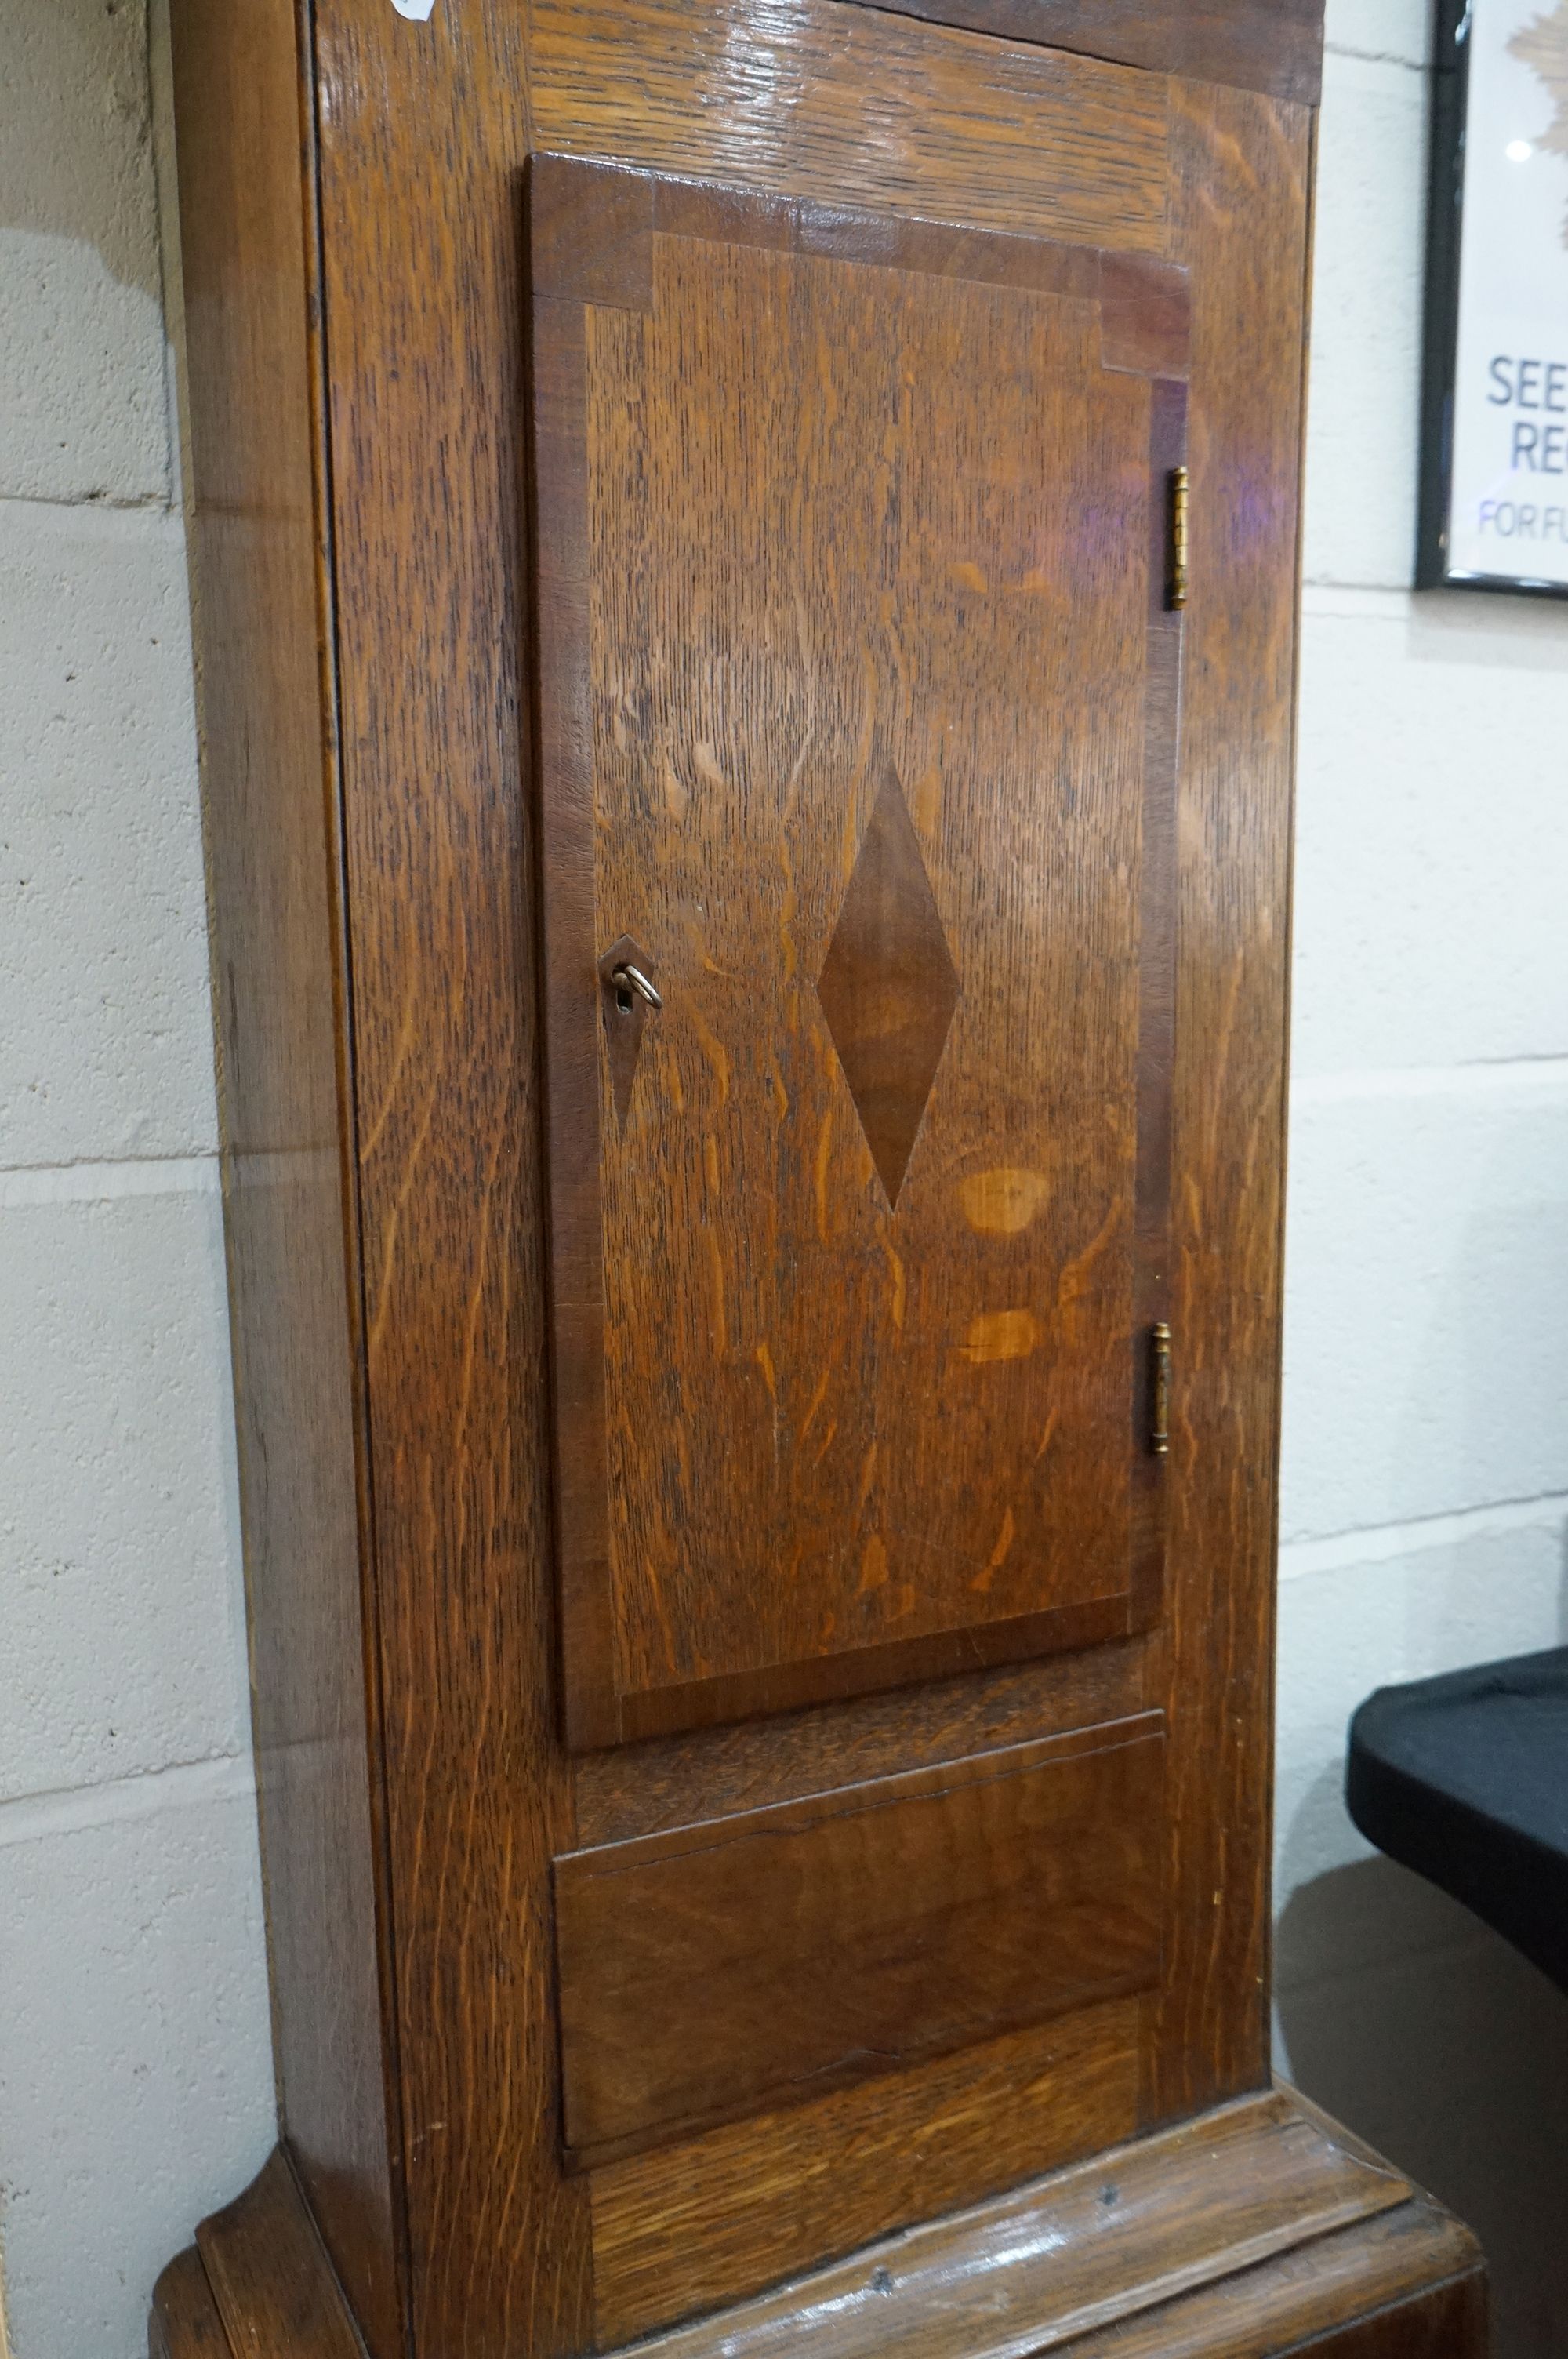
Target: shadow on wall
[
  {"x": 1449, "y": 2053},
  {"x": 76, "y": 160}
]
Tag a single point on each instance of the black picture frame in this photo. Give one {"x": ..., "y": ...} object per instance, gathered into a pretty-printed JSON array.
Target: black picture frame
[{"x": 1444, "y": 247}]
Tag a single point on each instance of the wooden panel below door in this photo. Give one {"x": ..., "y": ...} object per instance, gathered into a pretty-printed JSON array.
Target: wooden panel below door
[{"x": 791, "y": 1950}]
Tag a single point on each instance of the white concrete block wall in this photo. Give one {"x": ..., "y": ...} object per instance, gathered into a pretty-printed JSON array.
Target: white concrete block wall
[
  {"x": 135, "y": 2085},
  {"x": 1424, "y": 1511}
]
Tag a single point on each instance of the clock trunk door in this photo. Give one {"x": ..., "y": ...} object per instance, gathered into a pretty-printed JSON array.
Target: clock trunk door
[{"x": 858, "y": 731}]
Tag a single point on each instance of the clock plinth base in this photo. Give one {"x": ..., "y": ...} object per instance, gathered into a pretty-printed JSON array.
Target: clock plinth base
[{"x": 1254, "y": 2230}]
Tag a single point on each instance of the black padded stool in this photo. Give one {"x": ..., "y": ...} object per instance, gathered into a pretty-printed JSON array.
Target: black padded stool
[{"x": 1465, "y": 1779}]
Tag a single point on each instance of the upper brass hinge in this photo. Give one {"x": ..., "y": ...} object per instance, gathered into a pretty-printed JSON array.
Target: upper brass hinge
[{"x": 1181, "y": 485}]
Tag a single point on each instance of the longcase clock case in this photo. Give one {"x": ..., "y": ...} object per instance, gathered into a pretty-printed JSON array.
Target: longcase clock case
[{"x": 745, "y": 563}]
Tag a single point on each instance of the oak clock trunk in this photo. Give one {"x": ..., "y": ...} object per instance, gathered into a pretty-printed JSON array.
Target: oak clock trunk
[{"x": 745, "y": 559}]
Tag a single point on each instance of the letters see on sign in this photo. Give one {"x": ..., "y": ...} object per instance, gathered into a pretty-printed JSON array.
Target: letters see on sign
[{"x": 1504, "y": 430}]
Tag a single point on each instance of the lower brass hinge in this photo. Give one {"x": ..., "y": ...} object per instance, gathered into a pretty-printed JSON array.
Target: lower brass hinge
[
  {"x": 1160, "y": 1416},
  {"x": 1180, "y": 489}
]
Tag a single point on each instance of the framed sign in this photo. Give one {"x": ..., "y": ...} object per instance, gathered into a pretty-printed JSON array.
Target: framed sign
[{"x": 1494, "y": 503}]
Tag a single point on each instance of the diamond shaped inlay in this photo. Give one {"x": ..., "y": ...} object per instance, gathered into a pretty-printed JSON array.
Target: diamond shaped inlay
[{"x": 888, "y": 986}]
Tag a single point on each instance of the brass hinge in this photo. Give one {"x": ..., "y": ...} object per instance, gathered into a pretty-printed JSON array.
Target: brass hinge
[
  {"x": 1160, "y": 1419},
  {"x": 1180, "y": 484}
]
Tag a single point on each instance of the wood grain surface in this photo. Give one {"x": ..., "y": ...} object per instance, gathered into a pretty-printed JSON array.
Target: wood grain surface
[
  {"x": 272, "y": 2282},
  {"x": 715, "y": 1773},
  {"x": 1157, "y": 988},
  {"x": 880, "y": 1166},
  {"x": 806, "y": 98},
  {"x": 1241, "y": 189},
  {"x": 1090, "y": 2250},
  {"x": 183, "y": 2323},
  {"x": 259, "y": 539},
  {"x": 1275, "y": 45},
  {"x": 1253, "y": 2235},
  {"x": 425, "y": 131},
  {"x": 888, "y": 990},
  {"x": 677, "y": 2232},
  {"x": 1405, "y": 2284},
  {"x": 795, "y": 1949}
]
